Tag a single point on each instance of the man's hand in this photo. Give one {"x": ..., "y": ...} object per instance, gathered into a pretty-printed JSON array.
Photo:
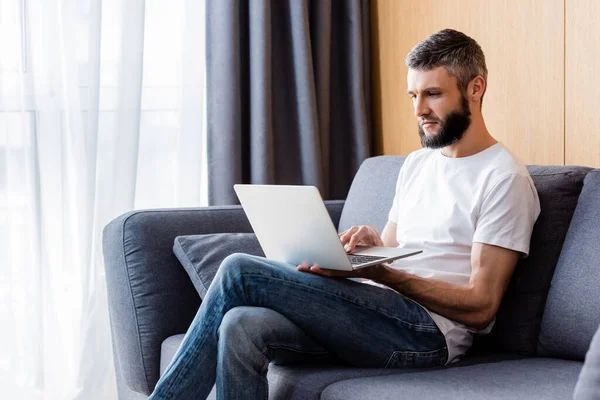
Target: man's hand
[
  {"x": 373, "y": 272},
  {"x": 364, "y": 235}
]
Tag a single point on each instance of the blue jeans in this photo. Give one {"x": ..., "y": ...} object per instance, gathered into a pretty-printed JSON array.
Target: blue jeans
[{"x": 258, "y": 311}]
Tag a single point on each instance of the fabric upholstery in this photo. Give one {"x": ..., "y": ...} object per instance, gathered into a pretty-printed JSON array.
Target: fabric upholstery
[
  {"x": 519, "y": 317},
  {"x": 572, "y": 312},
  {"x": 372, "y": 192},
  {"x": 307, "y": 382},
  {"x": 531, "y": 379},
  {"x": 288, "y": 94},
  {"x": 201, "y": 255},
  {"x": 588, "y": 384}
]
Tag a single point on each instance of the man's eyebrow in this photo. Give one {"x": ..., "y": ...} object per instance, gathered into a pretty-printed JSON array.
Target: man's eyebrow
[{"x": 429, "y": 89}]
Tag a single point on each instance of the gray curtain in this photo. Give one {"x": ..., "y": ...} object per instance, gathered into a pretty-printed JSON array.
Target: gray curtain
[{"x": 288, "y": 94}]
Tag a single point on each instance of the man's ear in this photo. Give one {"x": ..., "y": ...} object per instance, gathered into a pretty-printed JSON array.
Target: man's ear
[{"x": 476, "y": 89}]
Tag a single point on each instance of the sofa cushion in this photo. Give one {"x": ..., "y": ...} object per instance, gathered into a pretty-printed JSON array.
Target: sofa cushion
[
  {"x": 307, "y": 382},
  {"x": 201, "y": 255},
  {"x": 532, "y": 378},
  {"x": 372, "y": 192},
  {"x": 519, "y": 317},
  {"x": 572, "y": 312},
  {"x": 588, "y": 384},
  {"x": 301, "y": 382}
]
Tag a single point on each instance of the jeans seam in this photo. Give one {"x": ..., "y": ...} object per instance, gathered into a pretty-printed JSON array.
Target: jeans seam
[
  {"x": 421, "y": 354},
  {"x": 416, "y": 327},
  {"x": 265, "y": 353},
  {"x": 264, "y": 370},
  {"x": 287, "y": 347}
]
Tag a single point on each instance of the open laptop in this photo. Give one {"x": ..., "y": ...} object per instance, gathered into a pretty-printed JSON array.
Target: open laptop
[{"x": 292, "y": 225}]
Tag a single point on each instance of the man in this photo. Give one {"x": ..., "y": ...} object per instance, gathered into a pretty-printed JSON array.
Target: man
[{"x": 463, "y": 199}]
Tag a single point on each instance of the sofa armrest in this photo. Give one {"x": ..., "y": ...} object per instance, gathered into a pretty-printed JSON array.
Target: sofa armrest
[{"x": 150, "y": 296}]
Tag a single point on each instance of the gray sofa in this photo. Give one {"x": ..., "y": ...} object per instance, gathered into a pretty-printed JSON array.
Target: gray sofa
[{"x": 544, "y": 327}]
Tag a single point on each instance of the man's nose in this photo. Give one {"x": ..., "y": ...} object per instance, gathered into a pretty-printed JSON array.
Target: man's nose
[{"x": 421, "y": 107}]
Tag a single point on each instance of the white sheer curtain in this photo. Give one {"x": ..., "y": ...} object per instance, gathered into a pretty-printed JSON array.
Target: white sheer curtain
[{"x": 101, "y": 111}]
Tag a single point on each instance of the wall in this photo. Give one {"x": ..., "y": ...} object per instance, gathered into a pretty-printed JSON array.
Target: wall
[
  {"x": 525, "y": 44},
  {"x": 582, "y": 64}
]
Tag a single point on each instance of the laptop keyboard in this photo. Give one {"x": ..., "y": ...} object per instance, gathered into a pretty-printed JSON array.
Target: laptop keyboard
[{"x": 356, "y": 259}]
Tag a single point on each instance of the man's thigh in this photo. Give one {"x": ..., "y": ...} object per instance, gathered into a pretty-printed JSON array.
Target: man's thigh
[{"x": 361, "y": 324}]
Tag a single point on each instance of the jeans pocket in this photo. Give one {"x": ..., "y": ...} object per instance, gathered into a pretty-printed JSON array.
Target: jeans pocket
[{"x": 417, "y": 359}]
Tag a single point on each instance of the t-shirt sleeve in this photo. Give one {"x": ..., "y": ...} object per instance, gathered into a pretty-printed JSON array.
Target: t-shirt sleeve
[
  {"x": 393, "y": 215},
  {"x": 508, "y": 213}
]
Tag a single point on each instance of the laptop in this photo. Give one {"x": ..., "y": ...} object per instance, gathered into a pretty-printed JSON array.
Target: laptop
[{"x": 293, "y": 226}]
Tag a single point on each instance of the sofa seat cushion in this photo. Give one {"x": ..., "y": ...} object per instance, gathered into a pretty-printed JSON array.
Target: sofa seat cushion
[
  {"x": 296, "y": 382},
  {"x": 302, "y": 382},
  {"x": 307, "y": 382},
  {"x": 532, "y": 378}
]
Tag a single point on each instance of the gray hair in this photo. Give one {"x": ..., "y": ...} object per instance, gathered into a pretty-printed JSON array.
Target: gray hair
[{"x": 458, "y": 53}]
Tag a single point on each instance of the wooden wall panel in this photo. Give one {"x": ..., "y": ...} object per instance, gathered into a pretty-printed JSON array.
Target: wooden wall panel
[
  {"x": 524, "y": 46},
  {"x": 582, "y": 116}
]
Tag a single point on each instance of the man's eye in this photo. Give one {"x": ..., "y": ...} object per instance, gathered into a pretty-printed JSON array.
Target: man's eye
[{"x": 434, "y": 94}]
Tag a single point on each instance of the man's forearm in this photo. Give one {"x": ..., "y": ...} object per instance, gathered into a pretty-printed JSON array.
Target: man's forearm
[{"x": 456, "y": 302}]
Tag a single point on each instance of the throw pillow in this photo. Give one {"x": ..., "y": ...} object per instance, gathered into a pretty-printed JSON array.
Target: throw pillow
[{"x": 201, "y": 255}]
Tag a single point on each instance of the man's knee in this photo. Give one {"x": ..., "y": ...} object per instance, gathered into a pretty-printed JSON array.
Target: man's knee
[
  {"x": 236, "y": 259},
  {"x": 237, "y": 263},
  {"x": 240, "y": 262},
  {"x": 239, "y": 325},
  {"x": 241, "y": 340}
]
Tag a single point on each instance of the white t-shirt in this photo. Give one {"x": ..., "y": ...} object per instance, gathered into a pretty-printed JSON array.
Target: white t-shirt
[{"x": 442, "y": 205}]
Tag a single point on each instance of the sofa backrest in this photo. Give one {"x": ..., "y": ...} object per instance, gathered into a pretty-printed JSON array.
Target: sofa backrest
[
  {"x": 370, "y": 197},
  {"x": 572, "y": 312}
]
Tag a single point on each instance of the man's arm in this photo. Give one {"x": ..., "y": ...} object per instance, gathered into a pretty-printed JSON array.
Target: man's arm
[
  {"x": 474, "y": 304},
  {"x": 389, "y": 234}
]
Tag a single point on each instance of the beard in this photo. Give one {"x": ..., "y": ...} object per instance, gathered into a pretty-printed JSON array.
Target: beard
[{"x": 451, "y": 129}]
